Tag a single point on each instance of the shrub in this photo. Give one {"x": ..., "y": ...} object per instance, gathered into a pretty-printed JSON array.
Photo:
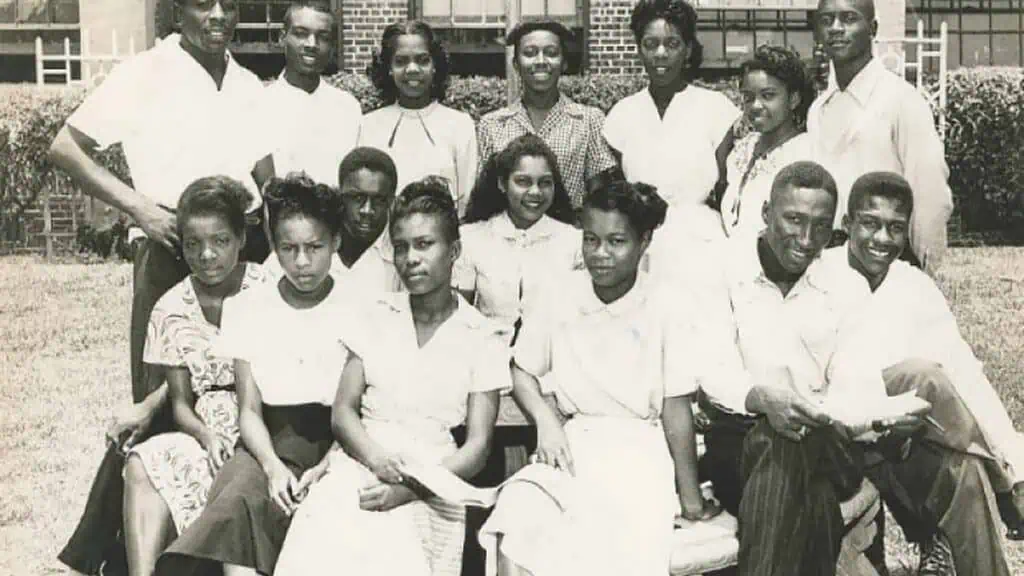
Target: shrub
[{"x": 985, "y": 146}]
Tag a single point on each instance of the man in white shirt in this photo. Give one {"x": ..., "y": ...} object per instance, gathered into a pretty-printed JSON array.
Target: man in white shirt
[
  {"x": 313, "y": 123},
  {"x": 871, "y": 119},
  {"x": 778, "y": 455},
  {"x": 181, "y": 110},
  {"x": 919, "y": 324}
]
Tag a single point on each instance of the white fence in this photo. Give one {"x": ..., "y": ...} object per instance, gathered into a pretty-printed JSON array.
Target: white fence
[
  {"x": 893, "y": 52},
  {"x": 92, "y": 66}
]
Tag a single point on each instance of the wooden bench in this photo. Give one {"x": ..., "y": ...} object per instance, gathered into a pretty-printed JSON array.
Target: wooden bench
[{"x": 693, "y": 558}]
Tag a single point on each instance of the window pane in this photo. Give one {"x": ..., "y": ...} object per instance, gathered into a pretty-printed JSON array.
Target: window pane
[
  {"x": 976, "y": 51},
  {"x": 1006, "y": 50},
  {"x": 772, "y": 37},
  {"x": 436, "y": 8},
  {"x": 803, "y": 42},
  {"x": 65, "y": 11},
  {"x": 35, "y": 11},
  {"x": 1009, "y": 22},
  {"x": 739, "y": 45},
  {"x": 975, "y": 22},
  {"x": 8, "y": 11},
  {"x": 561, "y": 7},
  {"x": 711, "y": 40},
  {"x": 953, "y": 51},
  {"x": 952, "y": 22}
]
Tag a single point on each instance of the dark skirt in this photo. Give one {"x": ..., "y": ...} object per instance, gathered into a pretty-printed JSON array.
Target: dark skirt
[{"x": 241, "y": 525}]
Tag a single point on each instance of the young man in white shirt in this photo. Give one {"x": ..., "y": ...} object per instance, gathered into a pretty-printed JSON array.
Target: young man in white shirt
[
  {"x": 313, "y": 123},
  {"x": 919, "y": 324},
  {"x": 777, "y": 456},
  {"x": 871, "y": 119},
  {"x": 182, "y": 110}
]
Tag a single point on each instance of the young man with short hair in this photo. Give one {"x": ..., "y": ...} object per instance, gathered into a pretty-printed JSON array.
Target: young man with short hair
[{"x": 871, "y": 119}]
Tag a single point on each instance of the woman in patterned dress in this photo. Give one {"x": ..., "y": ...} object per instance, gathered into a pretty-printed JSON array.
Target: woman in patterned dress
[
  {"x": 422, "y": 362},
  {"x": 777, "y": 92},
  {"x": 168, "y": 476}
]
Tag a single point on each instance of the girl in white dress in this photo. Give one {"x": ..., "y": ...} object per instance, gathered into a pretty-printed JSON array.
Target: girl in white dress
[
  {"x": 606, "y": 372},
  {"x": 777, "y": 92},
  {"x": 168, "y": 477},
  {"x": 422, "y": 362},
  {"x": 518, "y": 232},
  {"x": 423, "y": 136},
  {"x": 674, "y": 135}
]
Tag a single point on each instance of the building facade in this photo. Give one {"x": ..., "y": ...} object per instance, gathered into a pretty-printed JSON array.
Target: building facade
[{"x": 981, "y": 32}]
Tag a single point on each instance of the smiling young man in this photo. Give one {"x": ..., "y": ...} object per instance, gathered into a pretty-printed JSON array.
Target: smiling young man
[
  {"x": 919, "y": 326},
  {"x": 571, "y": 130},
  {"x": 182, "y": 110},
  {"x": 778, "y": 457},
  {"x": 871, "y": 119},
  {"x": 314, "y": 123}
]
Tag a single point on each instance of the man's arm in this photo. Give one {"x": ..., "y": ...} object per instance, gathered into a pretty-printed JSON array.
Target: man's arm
[
  {"x": 923, "y": 156},
  {"x": 71, "y": 150}
]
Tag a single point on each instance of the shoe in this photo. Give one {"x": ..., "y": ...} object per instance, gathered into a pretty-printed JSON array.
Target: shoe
[{"x": 936, "y": 557}]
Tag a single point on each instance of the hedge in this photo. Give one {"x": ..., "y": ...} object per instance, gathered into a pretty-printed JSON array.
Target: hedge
[{"x": 984, "y": 143}]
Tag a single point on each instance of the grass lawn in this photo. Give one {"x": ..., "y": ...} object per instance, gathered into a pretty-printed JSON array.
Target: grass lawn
[{"x": 64, "y": 368}]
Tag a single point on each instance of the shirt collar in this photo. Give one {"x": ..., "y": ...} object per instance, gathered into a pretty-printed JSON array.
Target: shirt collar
[
  {"x": 171, "y": 46},
  {"x": 465, "y": 315},
  {"x": 746, "y": 265},
  {"x": 282, "y": 83},
  {"x": 563, "y": 106},
  {"x": 863, "y": 84},
  {"x": 590, "y": 304},
  {"x": 542, "y": 229}
]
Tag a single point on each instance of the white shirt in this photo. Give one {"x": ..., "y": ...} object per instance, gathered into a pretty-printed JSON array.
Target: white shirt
[
  {"x": 296, "y": 356},
  {"x": 174, "y": 124},
  {"x": 907, "y": 317},
  {"x": 881, "y": 123},
  {"x": 434, "y": 141},
  {"x": 312, "y": 132},
  {"x": 749, "y": 190},
  {"x": 774, "y": 333},
  {"x": 676, "y": 153},
  {"x": 620, "y": 359},
  {"x": 506, "y": 267},
  {"x": 272, "y": 266}
]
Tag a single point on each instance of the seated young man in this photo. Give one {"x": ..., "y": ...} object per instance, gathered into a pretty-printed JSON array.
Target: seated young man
[
  {"x": 920, "y": 325},
  {"x": 780, "y": 458}
]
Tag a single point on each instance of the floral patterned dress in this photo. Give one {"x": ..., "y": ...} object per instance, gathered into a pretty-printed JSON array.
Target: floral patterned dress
[{"x": 180, "y": 336}]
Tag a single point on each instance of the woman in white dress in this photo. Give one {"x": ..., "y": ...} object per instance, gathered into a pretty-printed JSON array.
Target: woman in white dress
[
  {"x": 518, "y": 232},
  {"x": 606, "y": 371},
  {"x": 423, "y": 136},
  {"x": 674, "y": 135},
  {"x": 777, "y": 92},
  {"x": 421, "y": 362},
  {"x": 168, "y": 477}
]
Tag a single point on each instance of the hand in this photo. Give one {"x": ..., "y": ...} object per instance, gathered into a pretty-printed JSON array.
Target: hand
[
  {"x": 386, "y": 468},
  {"x": 283, "y": 485},
  {"x": 308, "y": 478},
  {"x": 133, "y": 419},
  {"x": 553, "y": 447},
  {"x": 160, "y": 226},
  {"x": 383, "y": 497},
  {"x": 900, "y": 427},
  {"x": 706, "y": 510},
  {"x": 790, "y": 414},
  {"x": 217, "y": 447}
]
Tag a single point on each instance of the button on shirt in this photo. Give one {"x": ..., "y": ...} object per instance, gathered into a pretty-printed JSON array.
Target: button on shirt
[
  {"x": 296, "y": 356},
  {"x": 620, "y": 359},
  {"x": 881, "y": 123},
  {"x": 506, "y": 266},
  {"x": 571, "y": 130},
  {"x": 174, "y": 124},
  {"x": 774, "y": 333},
  {"x": 312, "y": 131}
]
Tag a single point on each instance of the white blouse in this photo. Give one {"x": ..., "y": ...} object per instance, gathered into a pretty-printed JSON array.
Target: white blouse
[
  {"x": 296, "y": 356},
  {"x": 505, "y": 266},
  {"x": 434, "y": 141}
]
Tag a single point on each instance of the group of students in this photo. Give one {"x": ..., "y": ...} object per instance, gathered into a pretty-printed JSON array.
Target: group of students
[{"x": 323, "y": 296}]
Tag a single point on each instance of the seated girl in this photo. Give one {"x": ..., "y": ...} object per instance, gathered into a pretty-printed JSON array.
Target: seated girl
[
  {"x": 284, "y": 338},
  {"x": 421, "y": 363},
  {"x": 168, "y": 476},
  {"x": 604, "y": 370},
  {"x": 518, "y": 231}
]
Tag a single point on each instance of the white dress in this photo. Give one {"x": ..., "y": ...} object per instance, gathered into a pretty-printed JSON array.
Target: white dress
[
  {"x": 409, "y": 407},
  {"x": 609, "y": 366},
  {"x": 676, "y": 154}
]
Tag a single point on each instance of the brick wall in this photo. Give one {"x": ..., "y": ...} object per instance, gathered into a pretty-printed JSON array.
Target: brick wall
[
  {"x": 363, "y": 22},
  {"x": 612, "y": 49}
]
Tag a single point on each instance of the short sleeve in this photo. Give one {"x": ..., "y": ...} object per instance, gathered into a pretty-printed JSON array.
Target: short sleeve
[
  {"x": 599, "y": 156},
  {"x": 491, "y": 369},
  {"x": 467, "y": 160},
  {"x": 237, "y": 332},
  {"x": 164, "y": 333},
  {"x": 721, "y": 115},
  {"x": 680, "y": 356},
  {"x": 111, "y": 112},
  {"x": 464, "y": 272},
  {"x": 532, "y": 351},
  {"x": 616, "y": 128}
]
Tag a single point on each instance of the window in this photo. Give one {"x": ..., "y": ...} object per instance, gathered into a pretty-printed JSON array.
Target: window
[
  {"x": 729, "y": 35},
  {"x": 39, "y": 12},
  {"x": 473, "y": 31},
  {"x": 981, "y": 32},
  {"x": 21, "y": 21}
]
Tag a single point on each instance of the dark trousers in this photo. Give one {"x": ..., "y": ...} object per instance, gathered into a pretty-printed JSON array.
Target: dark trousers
[{"x": 95, "y": 543}]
